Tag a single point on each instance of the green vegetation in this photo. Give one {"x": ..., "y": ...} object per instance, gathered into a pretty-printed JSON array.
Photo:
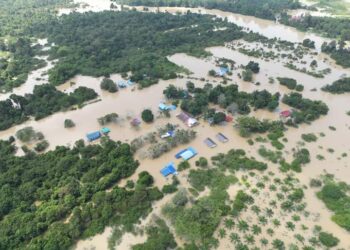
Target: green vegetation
[
  {"x": 309, "y": 137},
  {"x": 41, "y": 146},
  {"x": 147, "y": 116},
  {"x": 250, "y": 125},
  {"x": 45, "y": 190},
  {"x": 28, "y": 134},
  {"x": 68, "y": 123},
  {"x": 247, "y": 75},
  {"x": 44, "y": 101},
  {"x": 112, "y": 117},
  {"x": 301, "y": 157},
  {"x": 290, "y": 83},
  {"x": 228, "y": 97},
  {"x": 183, "y": 166},
  {"x": 328, "y": 239},
  {"x": 335, "y": 196},
  {"x": 158, "y": 237},
  {"x": 99, "y": 44},
  {"x": 338, "y": 52},
  {"x": 338, "y": 87},
  {"x": 14, "y": 69},
  {"x": 108, "y": 85},
  {"x": 266, "y": 9},
  {"x": 308, "y": 110},
  {"x": 308, "y": 43},
  {"x": 253, "y": 66}
]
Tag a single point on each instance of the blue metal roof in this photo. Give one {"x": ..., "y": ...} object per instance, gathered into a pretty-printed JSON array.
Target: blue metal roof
[
  {"x": 168, "y": 169},
  {"x": 93, "y": 135}
]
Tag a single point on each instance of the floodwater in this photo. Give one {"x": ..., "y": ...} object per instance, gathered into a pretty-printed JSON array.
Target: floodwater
[{"x": 128, "y": 103}]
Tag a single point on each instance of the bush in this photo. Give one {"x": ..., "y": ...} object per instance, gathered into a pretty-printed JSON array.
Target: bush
[
  {"x": 202, "y": 162},
  {"x": 28, "y": 134},
  {"x": 147, "y": 116},
  {"x": 168, "y": 189},
  {"x": 328, "y": 240},
  {"x": 288, "y": 82},
  {"x": 41, "y": 146},
  {"x": 68, "y": 123},
  {"x": 108, "y": 85},
  {"x": 183, "y": 166},
  {"x": 309, "y": 137},
  {"x": 145, "y": 179}
]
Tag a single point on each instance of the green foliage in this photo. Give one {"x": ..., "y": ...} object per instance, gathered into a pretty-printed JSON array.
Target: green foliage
[
  {"x": 339, "y": 53},
  {"x": 147, "y": 116},
  {"x": 145, "y": 179},
  {"x": 112, "y": 117},
  {"x": 211, "y": 178},
  {"x": 309, "y": 110},
  {"x": 253, "y": 66},
  {"x": 290, "y": 83},
  {"x": 240, "y": 202},
  {"x": 183, "y": 166},
  {"x": 44, "y": 101},
  {"x": 28, "y": 134},
  {"x": 68, "y": 123},
  {"x": 235, "y": 160},
  {"x": 41, "y": 146},
  {"x": 108, "y": 85},
  {"x": 247, "y": 75},
  {"x": 158, "y": 237},
  {"x": 338, "y": 87},
  {"x": 118, "y": 42},
  {"x": 308, "y": 43},
  {"x": 309, "y": 137},
  {"x": 44, "y": 190},
  {"x": 249, "y": 125},
  {"x": 328, "y": 239},
  {"x": 334, "y": 195},
  {"x": 202, "y": 162}
]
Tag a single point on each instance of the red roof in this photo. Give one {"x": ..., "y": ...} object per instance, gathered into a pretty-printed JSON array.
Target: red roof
[
  {"x": 286, "y": 113},
  {"x": 229, "y": 118}
]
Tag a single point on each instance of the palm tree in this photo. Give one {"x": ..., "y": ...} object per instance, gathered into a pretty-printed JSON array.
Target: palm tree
[
  {"x": 269, "y": 212},
  {"x": 243, "y": 226},
  {"x": 222, "y": 233},
  {"x": 249, "y": 239},
  {"x": 264, "y": 242},
  {"x": 241, "y": 246},
  {"x": 290, "y": 225},
  {"x": 273, "y": 203},
  {"x": 278, "y": 244},
  {"x": 255, "y": 209},
  {"x": 270, "y": 231},
  {"x": 234, "y": 237},
  {"x": 256, "y": 230},
  {"x": 299, "y": 237},
  {"x": 276, "y": 222},
  {"x": 229, "y": 223},
  {"x": 263, "y": 220}
]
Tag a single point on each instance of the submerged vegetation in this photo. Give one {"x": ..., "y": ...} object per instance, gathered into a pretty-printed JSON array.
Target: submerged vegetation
[
  {"x": 338, "y": 87},
  {"x": 99, "y": 44}
]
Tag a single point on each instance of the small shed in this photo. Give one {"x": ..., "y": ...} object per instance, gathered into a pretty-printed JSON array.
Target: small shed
[
  {"x": 222, "y": 138},
  {"x": 168, "y": 169},
  {"x": 93, "y": 136},
  {"x": 135, "y": 122},
  {"x": 210, "y": 143},
  {"x": 105, "y": 131}
]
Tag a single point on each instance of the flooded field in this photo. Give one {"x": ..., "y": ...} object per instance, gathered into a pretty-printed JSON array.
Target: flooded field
[{"x": 128, "y": 103}]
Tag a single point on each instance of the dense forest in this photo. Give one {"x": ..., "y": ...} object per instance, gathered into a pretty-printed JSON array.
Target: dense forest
[
  {"x": 266, "y": 9},
  {"x": 48, "y": 201},
  {"x": 116, "y": 42},
  {"x": 17, "y": 61},
  {"x": 44, "y": 101}
]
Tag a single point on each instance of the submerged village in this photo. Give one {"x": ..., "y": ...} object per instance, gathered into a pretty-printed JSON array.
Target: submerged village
[{"x": 170, "y": 125}]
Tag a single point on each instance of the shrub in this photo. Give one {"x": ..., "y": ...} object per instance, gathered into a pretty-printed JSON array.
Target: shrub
[
  {"x": 145, "y": 179},
  {"x": 147, "y": 116},
  {"x": 309, "y": 137},
  {"x": 327, "y": 239},
  {"x": 108, "y": 85},
  {"x": 68, "y": 123},
  {"x": 183, "y": 166},
  {"x": 290, "y": 83}
]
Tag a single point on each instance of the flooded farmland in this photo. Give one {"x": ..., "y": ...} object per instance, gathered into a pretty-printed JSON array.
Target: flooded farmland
[{"x": 128, "y": 103}]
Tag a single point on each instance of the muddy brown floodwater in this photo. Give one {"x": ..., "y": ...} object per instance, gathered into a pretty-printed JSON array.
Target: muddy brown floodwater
[{"x": 129, "y": 103}]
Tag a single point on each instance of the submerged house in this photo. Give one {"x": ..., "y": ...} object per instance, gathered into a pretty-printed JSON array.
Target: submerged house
[
  {"x": 93, "y": 136},
  {"x": 210, "y": 143},
  {"x": 286, "y": 115},
  {"x": 105, "y": 131},
  {"x": 164, "y": 107},
  {"x": 135, "y": 122},
  {"x": 186, "y": 154},
  {"x": 168, "y": 169},
  {"x": 187, "y": 119},
  {"x": 222, "y": 138},
  {"x": 222, "y": 71}
]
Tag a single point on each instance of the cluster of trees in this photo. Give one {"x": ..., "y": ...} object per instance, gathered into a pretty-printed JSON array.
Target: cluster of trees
[
  {"x": 44, "y": 101},
  {"x": 112, "y": 117},
  {"x": 266, "y": 9},
  {"x": 39, "y": 193},
  {"x": 307, "y": 110},
  {"x": 290, "y": 83},
  {"x": 20, "y": 60},
  {"x": 308, "y": 43},
  {"x": 327, "y": 26},
  {"x": 98, "y": 44},
  {"x": 338, "y": 51},
  {"x": 249, "y": 125},
  {"x": 108, "y": 85},
  {"x": 338, "y": 87},
  {"x": 236, "y": 160},
  {"x": 228, "y": 97},
  {"x": 335, "y": 196}
]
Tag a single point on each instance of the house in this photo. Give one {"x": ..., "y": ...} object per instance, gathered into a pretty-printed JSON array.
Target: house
[
  {"x": 228, "y": 118},
  {"x": 105, "y": 131},
  {"x": 222, "y": 138},
  {"x": 122, "y": 84},
  {"x": 93, "y": 136},
  {"x": 164, "y": 107},
  {"x": 222, "y": 71},
  {"x": 187, "y": 119},
  {"x": 210, "y": 143},
  {"x": 186, "y": 154},
  {"x": 135, "y": 122},
  {"x": 168, "y": 169}
]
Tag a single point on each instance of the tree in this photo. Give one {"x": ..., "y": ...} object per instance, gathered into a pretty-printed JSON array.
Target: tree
[
  {"x": 328, "y": 239},
  {"x": 147, "y": 116},
  {"x": 68, "y": 123},
  {"x": 108, "y": 85},
  {"x": 253, "y": 66},
  {"x": 219, "y": 117},
  {"x": 247, "y": 75}
]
